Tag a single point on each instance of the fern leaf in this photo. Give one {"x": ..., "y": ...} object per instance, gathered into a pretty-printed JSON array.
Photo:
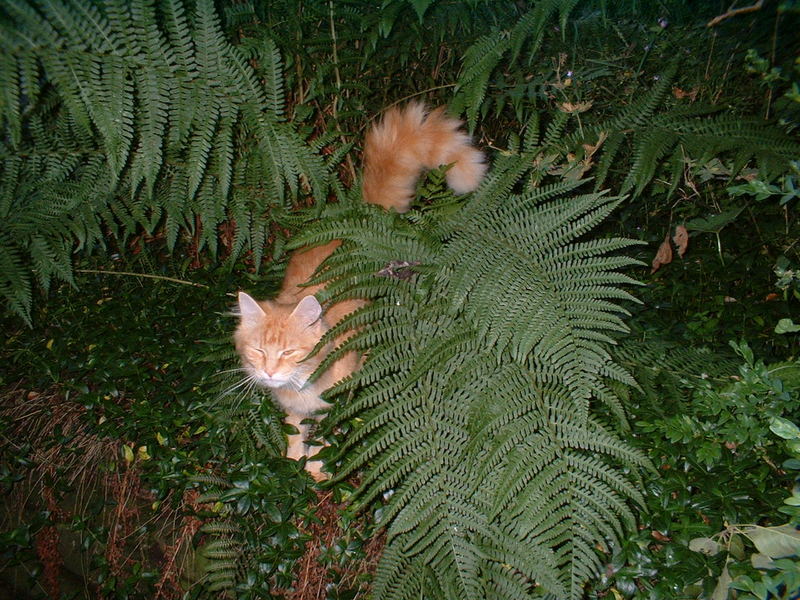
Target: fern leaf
[
  {"x": 200, "y": 148},
  {"x": 15, "y": 281},
  {"x": 10, "y": 99}
]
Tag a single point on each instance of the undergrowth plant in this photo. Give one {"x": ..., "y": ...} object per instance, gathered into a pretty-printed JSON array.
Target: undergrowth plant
[
  {"x": 114, "y": 446},
  {"x": 716, "y": 517}
]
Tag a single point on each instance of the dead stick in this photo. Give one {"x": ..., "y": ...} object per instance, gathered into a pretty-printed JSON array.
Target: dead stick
[
  {"x": 146, "y": 275},
  {"x": 735, "y": 11}
]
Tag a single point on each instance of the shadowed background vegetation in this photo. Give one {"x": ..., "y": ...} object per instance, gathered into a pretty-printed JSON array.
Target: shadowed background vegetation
[{"x": 582, "y": 379}]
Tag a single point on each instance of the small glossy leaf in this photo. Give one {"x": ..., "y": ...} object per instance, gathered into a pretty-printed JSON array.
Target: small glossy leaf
[
  {"x": 784, "y": 428},
  {"x": 787, "y": 326}
]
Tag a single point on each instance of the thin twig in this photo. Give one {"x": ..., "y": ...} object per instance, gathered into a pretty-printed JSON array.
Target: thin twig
[
  {"x": 350, "y": 166},
  {"x": 335, "y": 57},
  {"x": 145, "y": 275},
  {"x": 772, "y": 61},
  {"x": 408, "y": 97},
  {"x": 735, "y": 11}
]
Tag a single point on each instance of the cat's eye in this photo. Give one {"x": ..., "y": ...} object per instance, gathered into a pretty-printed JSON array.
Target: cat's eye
[{"x": 288, "y": 352}]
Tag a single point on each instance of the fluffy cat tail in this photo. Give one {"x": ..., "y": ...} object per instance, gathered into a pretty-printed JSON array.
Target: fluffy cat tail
[{"x": 408, "y": 140}]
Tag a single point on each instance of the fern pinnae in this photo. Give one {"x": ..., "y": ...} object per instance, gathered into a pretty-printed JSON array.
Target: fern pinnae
[
  {"x": 401, "y": 511},
  {"x": 526, "y": 468},
  {"x": 407, "y": 422},
  {"x": 221, "y": 544},
  {"x": 601, "y": 501},
  {"x": 223, "y": 555},
  {"x": 10, "y": 99},
  {"x": 179, "y": 35},
  {"x": 599, "y": 440},
  {"x": 478, "y": 62},
  {"x": 649, "y": 149},
  {"x": 511, "y": 446},
  {"x": 641, "y": 111},
  {"x": 272, "y": 69},
  {"x": 224, "y": 155},
  {"x": 38, "y": 29},
  {"x": 385, "y": 474},
  {"x": 384, "y": 391},
  {"x": 200, "y": 147},
  {"x": 596, "y": 467}
]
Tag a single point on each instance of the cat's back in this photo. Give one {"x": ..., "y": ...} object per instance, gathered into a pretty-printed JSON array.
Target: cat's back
[{"x": 302, "y": 265}]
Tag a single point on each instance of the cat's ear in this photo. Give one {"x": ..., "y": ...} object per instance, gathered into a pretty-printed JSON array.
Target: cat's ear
[
  {"x": 307, "y": 311},
  {"x": 249, "y": 309}
]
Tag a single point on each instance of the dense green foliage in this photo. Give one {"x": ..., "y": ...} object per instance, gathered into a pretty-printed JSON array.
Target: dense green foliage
[
  {"x": 131, "y": 117},
  {"x": 527, "y": 423}
]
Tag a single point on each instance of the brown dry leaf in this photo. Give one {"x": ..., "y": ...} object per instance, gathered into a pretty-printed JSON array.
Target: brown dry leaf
[
  {"x": 660, "y": 536},
  {"x": 681, "y": 94},
  {"x": 663, "y": 256},
  {"x": 681, "y": 239},
  {"x": 748, "y": 174},
  {"x": 590, "y": 150},
  {"x": 578, "y": 107}
]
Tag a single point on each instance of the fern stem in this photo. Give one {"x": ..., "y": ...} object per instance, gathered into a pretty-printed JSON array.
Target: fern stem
[
  {"x": 335, "y": 59},
  {"x": 772, "y": 60},
  {"x": 350, "y": 166},
  {"x": 145, "y": 275},
  {"x": 420, "y": 93}
]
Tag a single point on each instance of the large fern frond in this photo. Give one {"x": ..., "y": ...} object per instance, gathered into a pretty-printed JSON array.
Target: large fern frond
[{"x": 487, "y": 351}]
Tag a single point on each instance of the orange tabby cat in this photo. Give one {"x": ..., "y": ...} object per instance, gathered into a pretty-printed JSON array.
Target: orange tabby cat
[{"x": 274, "y": 337}]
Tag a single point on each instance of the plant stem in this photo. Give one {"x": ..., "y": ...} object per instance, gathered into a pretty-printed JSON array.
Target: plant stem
[{"x": 145, "y": 275}]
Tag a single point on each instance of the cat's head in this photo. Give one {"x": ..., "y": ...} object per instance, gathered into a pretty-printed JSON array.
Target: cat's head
[{"x": 273, "y": 340}]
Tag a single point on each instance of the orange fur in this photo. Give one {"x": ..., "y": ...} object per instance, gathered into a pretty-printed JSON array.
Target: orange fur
[
  {"x": 409, "y": 140},
  {"x": 274, "y": 338}
]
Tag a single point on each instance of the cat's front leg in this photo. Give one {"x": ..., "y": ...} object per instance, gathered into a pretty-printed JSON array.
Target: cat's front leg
[
  {"x": 314, "y": 467},
  {"x": 296, "y": 447}
]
